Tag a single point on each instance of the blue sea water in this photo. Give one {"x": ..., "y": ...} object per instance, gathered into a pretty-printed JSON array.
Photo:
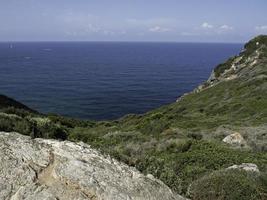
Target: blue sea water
[{"x": 105, "y": 80}]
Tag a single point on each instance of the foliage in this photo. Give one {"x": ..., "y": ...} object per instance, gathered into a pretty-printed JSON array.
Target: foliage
[
  {"x": 69, "y": 122},
  {"x": 44, "y": 128},
  {"x": 224, "y": 66},
  {"x": 230, "y": 185}
]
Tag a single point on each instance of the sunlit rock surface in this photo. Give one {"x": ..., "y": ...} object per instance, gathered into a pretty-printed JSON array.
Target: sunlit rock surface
[{"x": 47, "y": 169}]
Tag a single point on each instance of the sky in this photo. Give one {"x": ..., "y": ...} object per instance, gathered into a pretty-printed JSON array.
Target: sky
[{"x": 231, "y": 21}]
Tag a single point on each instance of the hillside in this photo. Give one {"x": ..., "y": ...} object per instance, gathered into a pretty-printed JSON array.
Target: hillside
[
  {"x": 6, "y": 102},
  {"x": 190, "y": 143}
]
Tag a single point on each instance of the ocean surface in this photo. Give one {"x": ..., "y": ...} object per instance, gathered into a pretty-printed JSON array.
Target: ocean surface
[{"x": 105, "y": 80}]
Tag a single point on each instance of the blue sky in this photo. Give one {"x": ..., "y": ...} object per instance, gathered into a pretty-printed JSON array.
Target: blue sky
[{"x": 132, "y": 20}]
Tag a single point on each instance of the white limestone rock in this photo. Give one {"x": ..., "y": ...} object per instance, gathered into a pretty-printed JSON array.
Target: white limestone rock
[
  {"x": 235, "y": 139},
  {"x": 53, "y": 170},
  {"x": 250, "y": 167}
]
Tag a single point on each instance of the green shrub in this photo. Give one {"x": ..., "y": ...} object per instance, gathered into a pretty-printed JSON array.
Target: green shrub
[
  {"x": 22, "y": 126},
  {"x": 17, "y": 111},
  {"x": 6, "y": 125},
  {"x": 154, "y": 127},
  {"x": 196, "y": 136},
  {"x": 224, "y": 66},
  {"x": 229, "y": 185},
  {"x": 70, "y": 122},
  {"x": 50, "y": 130},
  {"x": 80, "y": 134},
  {"x": 11, "y": 122}
]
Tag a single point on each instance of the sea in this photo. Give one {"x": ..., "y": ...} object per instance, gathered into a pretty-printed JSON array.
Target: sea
[{"x": 105, "y": 80}]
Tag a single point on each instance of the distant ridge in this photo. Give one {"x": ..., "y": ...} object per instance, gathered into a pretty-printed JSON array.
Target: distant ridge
[{"x": 9, "y": 102}]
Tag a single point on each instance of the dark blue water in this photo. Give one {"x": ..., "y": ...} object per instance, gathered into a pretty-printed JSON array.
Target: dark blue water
[{"x": 105, "y": 80}]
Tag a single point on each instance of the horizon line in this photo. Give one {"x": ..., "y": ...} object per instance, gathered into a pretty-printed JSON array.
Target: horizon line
[{"x": 117, "y": 41}]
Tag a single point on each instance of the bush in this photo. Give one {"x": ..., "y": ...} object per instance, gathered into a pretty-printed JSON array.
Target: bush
[
  {"x": 11, "y": 123},
  {"x": 154, "y": 127},
  {"x": 16, "y": 111},
  {"x": 22, "y": 126},
  {"x": 80, "y": 134},
  {"x": 229, "y": 185},
  {"x": 50, "y": 130},
  {"x": 70, "y": 122},
  {"x": 195, "y": 136},
  {"x": 6, "y": 125}
]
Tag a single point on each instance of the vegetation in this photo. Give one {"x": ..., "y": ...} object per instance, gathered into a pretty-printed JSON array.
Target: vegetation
[
  {"x": 32, "y": 124},
  {"x": 224, "y": 66},
  {"x": 252, "y": 45},
  {"x": 256, "y": 45},
  {"x": 230, "y": 185},
  {"x": 180, "y": 143},
  {"x": 6, "y": 102}
]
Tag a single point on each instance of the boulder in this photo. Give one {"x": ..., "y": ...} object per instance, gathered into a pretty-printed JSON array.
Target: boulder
[
  {"x": 250, "y": 167},
  {"x": 43, "y": 169},
  {"x": 235, "y": 139}
]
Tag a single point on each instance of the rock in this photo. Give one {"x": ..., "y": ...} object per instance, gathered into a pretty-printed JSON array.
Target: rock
[
  {"x": 42, "y": 169},
  {"x": 246, "y": 166},
  {"x": 212, "y": 77},
  {"x": 235, "y": 139}
]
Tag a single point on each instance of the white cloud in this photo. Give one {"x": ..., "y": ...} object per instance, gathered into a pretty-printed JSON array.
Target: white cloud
[
  {"x": 226, "y": 27},
  {"x": 159, "y": 29},
  {"x": 209, "y": 29},
  {"x": 206, "y": 25}
]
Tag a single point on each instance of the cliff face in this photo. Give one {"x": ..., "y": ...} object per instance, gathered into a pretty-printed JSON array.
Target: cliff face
[
  {"x": 48, "y": 169},
  {"x": 253, "y": 55},
  {"x": 244, "y": 65}
]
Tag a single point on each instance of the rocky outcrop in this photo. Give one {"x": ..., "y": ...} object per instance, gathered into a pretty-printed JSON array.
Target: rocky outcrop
[
  {"x": 41, "y": 169},
  {"x": 235, "y": 139},
  {"x": 234, "y": 67},
  {"x": 250, "y": 167}
]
